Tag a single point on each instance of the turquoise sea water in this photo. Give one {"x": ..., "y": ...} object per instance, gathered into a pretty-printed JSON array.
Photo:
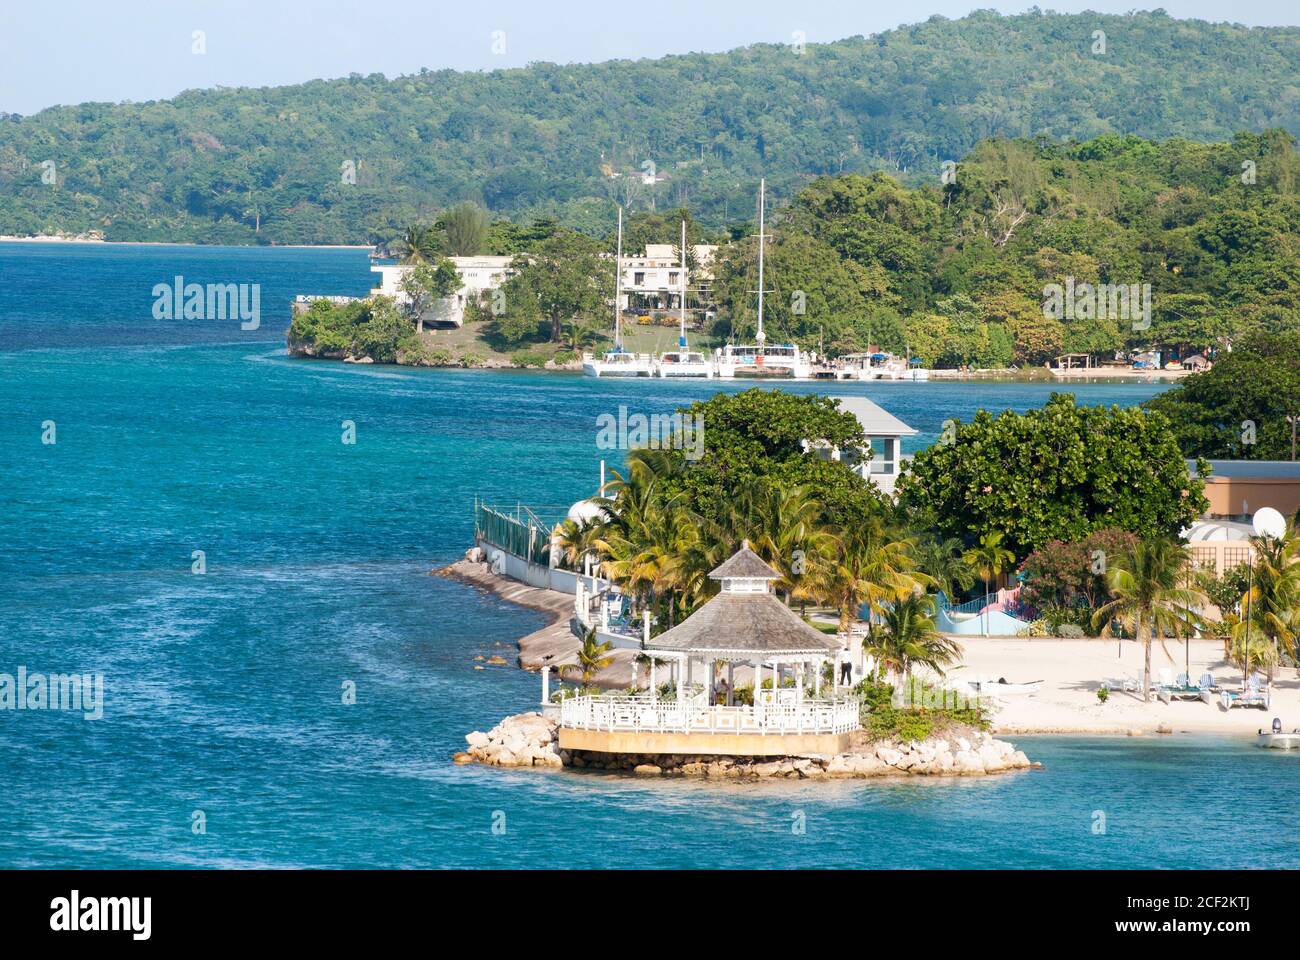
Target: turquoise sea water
[{"x": 223, "y": 691}]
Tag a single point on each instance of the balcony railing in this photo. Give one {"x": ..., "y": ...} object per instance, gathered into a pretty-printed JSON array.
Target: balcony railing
[{"x": 644, "y": 714}]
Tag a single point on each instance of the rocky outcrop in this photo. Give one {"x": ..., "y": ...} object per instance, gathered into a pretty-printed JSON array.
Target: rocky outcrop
[
  {"x": 531, "y": 740},
  {"x": 524, "y": 740}
]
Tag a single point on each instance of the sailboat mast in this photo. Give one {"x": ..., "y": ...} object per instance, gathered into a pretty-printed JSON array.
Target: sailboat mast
[
  {"x": 681, "y": 336},
  {"x": 762, "y": 190},
  {"x": 618, "y": 287}
]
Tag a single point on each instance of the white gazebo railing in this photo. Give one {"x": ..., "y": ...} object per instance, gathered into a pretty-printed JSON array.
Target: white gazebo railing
[{"x": 644, "y": 714}]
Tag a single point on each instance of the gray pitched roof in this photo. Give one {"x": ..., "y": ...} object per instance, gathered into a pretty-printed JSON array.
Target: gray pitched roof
[
  {"x": 744, "y": 563},
  {"x": 876, "y": 420},
  {"x": 744, "y": 623}
]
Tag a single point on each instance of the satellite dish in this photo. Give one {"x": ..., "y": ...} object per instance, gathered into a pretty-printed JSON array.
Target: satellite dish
[{"x": 1269, "y": 523}]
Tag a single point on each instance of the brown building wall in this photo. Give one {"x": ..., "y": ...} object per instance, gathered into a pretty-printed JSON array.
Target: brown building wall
[{"x": 1242, "y": 496}]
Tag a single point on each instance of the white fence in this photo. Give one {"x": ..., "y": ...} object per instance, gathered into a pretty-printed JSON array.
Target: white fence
[{"x": 650, "y": 715}]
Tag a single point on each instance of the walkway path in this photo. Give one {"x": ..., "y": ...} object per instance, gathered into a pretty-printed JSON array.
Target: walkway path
[{"x": 554, "y": 644}]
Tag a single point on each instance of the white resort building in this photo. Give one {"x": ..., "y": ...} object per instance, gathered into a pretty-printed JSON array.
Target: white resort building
[
  {"x": 885, "y": 434},
  {"x": 478, "y": 275},
  {"x": 653, "y": 280},
  {"x": 744, "y": 625}
]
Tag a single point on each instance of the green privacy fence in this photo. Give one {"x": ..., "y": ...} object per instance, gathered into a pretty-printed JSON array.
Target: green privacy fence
[{"x": 522, "y": 533}]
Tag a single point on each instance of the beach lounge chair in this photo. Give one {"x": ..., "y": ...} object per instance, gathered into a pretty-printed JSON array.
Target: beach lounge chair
[
  {"x": 1256, "y": 693},
  {"x": 1181, "y": 689}
]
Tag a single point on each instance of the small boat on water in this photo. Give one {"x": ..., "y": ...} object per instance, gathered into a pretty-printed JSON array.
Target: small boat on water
[
  {"x": 783, "y": 360},
  {"x": 618, "y": 363},
  {"x": 684, "y": 363},
  {"x": 1277, "y": 738}
]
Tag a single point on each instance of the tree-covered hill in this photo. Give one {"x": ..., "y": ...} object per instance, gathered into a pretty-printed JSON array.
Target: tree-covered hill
[
  {"x": 1203, "y": 239},
  {"x": 276, "y": 165},
  {"x": 960, "y": 273}
]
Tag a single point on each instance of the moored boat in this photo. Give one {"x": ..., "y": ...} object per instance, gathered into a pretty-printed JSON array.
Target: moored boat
[
  {"x": 683, "y": 362},
  {"x": 757, "y": 359},
  {"x": 1277, "y": 738},
  {"x": 618, "y": 362}
]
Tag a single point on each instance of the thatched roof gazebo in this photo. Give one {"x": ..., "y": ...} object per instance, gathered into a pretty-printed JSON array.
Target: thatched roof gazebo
[{"x": 747, "y": 624}]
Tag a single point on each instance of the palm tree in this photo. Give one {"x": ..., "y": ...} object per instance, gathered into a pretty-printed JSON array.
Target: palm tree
[
  {"x": 648, "y": 529},
  {"x": 871, "y": 566},
  {"x": 578, "y": 335},
  {"x": 1270, "y": 607},
  {"x": 989, "y": 559},
  {"x": 907, "y": 637},
  {"x": 944, "y": 562},
  {"x": 592, "y": 657},
  {"x": 420, "y": 241},
  {"x": 578, "y": 539},
  {"x": 783, "y": 526},
  {"x": 1147, "y": 599}
]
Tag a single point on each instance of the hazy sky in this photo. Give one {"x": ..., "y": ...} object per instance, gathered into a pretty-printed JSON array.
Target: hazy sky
[{"x": 68, "y": 51}]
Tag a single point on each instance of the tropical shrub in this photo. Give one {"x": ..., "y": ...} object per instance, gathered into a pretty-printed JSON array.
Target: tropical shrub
[{"x": 1061, "y": 472}]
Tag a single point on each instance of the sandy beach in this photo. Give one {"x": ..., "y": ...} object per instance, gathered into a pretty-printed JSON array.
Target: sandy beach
[{"x": 1072, "y": 670}]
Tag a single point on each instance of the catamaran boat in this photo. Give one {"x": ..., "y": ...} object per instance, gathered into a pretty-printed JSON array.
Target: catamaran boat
[
  {"x": 683, "y": 362},
  {"x": 618, "y": 362},
  {"x": 758, "y": 359}
]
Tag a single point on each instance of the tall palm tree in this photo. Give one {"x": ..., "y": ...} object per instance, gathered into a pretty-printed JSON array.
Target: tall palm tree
[
  {"x": 1147, "y": 599},
  {"x": 907, "y": 637},
  {"x": 592, "y": 657},
  {"x": 783, "y": 526},
  {"x": 578, "y": 539},
  {"x": 944, "y": 562},
  {"x": 989, "y": 558},
  {"x": 420, "y": 242},
  {"x": 1270, "y": 607},
  {"x": 648, "y": 528},
  {"x": 871, "y": 566}
]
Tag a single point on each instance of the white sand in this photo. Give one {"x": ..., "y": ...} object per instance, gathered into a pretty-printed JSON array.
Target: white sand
[{"x": 1072, "y": 670}]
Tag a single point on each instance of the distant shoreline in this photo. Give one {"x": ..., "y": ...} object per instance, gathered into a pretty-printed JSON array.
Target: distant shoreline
[
  {"x": 185, "y": 243},
  {"x": 1024, "y": 375}
]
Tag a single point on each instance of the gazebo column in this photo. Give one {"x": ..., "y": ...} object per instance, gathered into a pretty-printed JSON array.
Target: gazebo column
[
  {"x": 817, "y": 678},
  {"x": 654, "y": 686},
  {"x": 681, "y": 670},
  {"x": 731, "y": 682}
]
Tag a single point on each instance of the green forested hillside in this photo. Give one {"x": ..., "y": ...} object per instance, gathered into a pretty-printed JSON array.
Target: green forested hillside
[
  {"x": 272, "y": 165},
  {"x": 958, "y": 272}
]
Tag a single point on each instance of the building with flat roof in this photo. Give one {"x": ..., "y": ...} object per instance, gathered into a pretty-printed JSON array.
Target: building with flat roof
[
  {"x": 478, "y": 275},
  {"x": 1237, "y": 488},
  {"x": 653, "y": 280}
]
